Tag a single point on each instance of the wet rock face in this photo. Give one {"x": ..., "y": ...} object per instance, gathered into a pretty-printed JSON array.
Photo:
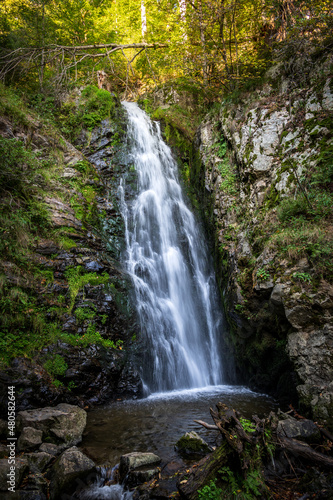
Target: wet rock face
[
  {"x": 281, "y": 321},
  {"x": 91, "y": 374},
  {"x": 95, "y": 375}
]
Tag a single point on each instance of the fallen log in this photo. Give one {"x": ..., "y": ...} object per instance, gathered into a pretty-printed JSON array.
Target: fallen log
[{"x": 305, "y": 451}]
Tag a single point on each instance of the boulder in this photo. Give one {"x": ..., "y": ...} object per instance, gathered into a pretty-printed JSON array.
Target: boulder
[
  {"x": 50, "y": 449},
  {"x": 136, "y": 460},
  {"x": 29, "y": 438},
  {"x": 192, "y": 444},
  {"x": 63, "y": 423},
  {"x": 298, "y": 429},
  {"x": 71, "y": 470},
  {"x": 39, "y": 460}
]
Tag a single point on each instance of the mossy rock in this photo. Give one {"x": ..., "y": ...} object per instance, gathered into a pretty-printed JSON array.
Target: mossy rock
[{"x": 192, "y": 444}]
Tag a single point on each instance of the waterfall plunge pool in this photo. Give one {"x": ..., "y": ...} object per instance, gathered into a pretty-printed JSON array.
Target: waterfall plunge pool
[{"x": 156, "y": 423}]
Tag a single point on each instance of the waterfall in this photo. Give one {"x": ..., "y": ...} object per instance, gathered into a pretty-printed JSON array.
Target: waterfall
[{"x": 167, "y": 259}]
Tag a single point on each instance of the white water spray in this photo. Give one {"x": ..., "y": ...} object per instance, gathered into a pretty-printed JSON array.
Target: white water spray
[{"x": 174, "y": 282}]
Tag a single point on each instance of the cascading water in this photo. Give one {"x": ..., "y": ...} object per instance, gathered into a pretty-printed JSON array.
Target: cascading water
[{"x": 174, "y": 283}]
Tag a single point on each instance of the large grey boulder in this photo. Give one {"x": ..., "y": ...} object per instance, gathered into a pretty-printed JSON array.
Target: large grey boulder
[
  {"x": 71, "y": 470},
  {"x": 64, "y": 424}
]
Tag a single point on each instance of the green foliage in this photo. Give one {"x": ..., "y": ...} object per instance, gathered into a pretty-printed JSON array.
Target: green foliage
[
  {"x": 305, "y": 277},
  {"x": 210, "y": 491},
  {"x": 56, "y": 366},
  {"x": 57, "y": 383},
  {"x": 262, "y": 274},
  {"x": 83, "y": 313},
  {"x": 91, "y": 337},
  {"x": 66, "y": 243},
  {"x": 222, "y": 148},
  {"x": 17, "y": 164},
  {"x": 247, "y": 425},
  {"x": 22, "y": 215},
  {"x": 11, "y": 105},
  {"x": 78, "y": 278},
  {"x": 229, "y": 180},
  {"x": 240, "y": 488},
  {"x": 71, "y": 385},
  {"x": 94, "y": 106},
  {"x": 24, "y": 327}
]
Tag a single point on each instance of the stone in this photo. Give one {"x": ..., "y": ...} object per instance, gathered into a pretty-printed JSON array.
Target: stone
[
  {"x": 94, "y": 266},
  {"x": 47, "y": 247},
  {"x": 264, "y": 286},
  {"x": 299, "y": 316},
  {"x": 29, "y": 438},
  {"x": 192, "y": 444},
  {"x": 72, "y": 469},
  {"x": 277, "y": 294},
  {"x": 298, "y": 429},
  {"x": 21, "y": 467},
  {"x": 50, "y": 449},
  {"x": 62, "y": 214},
  {"x": 136, "y": 477},
  {"x": 135, "y": 460},
  {"x": 39, "y": 460},
  {"x": 327, "y": 96},
  {"x": 311, "y": 353},
  {"x": 312, "y": 104},
  {"x": 64, "y": 423},
  {"x": 69, "y": 173}
]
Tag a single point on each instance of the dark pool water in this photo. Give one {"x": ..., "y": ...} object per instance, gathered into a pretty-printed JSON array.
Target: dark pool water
[{"x": 157, "y": 422}]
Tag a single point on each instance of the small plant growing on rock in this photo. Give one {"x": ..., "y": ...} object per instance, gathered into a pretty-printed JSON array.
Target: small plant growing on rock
[
  {"x": 262, "y": 274},
  {"x": 305, "y": 277}
]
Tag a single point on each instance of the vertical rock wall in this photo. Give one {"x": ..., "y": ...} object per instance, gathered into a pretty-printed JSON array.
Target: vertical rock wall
[{"x": 252, "y": 154}]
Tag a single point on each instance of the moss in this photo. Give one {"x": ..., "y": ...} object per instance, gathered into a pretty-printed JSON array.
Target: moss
[{"x": 191, "y": 444}]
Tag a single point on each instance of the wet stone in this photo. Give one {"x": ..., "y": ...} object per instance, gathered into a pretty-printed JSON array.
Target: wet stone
[
  {"x": 93, "y": 266},
  {"x": 192, "y": 444},
  {"x": 135, "y": 460},
  {"x": 304, "y": 429}
]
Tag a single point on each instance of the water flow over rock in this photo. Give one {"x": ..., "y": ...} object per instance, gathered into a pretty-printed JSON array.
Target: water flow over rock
[{"x": 173, "y": 279}]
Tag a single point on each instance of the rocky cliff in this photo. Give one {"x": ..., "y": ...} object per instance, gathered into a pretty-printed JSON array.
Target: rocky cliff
[
  {"x": 264, "y": 174},
  {"x": 67, "y": 326}
]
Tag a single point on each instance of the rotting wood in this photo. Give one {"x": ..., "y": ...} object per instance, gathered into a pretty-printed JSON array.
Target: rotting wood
[{"x": 304, "y": 450}]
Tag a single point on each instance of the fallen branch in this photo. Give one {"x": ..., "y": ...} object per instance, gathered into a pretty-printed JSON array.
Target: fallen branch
[
  {"x": 210, "y": 427},
  {"x": 304, "y": 450},
  {"x": 9, "y": 60}
]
